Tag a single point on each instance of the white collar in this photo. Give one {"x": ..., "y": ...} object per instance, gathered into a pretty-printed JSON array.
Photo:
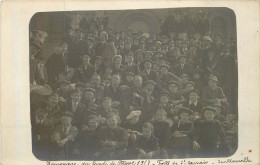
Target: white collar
[{"x": 195, "y": 103}]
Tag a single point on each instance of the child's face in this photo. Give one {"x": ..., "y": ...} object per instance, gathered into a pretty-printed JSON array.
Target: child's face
[
  {"x": 184, "y": 116},
  {"x": 129, "y": 78},
  {"x": 93, "y": 124},
  {"x": 194, "y": 96},
  {"x": 76, "y": 97},
  {"x": 117, "y": 61},
  {"x": 164, "y": 99},
  {"x": 107, "y": 104},
  {"x": 160, "y": 116},
  {"x": 147, "y": 132},
  {"x": 112, "y": 122},
  {"x": 209, "y": 115},
  {"x": 173, "y": 88},
  {"x": 65, "y": 121}
]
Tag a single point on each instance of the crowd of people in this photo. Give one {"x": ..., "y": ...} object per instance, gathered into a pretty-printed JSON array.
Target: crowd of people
[{"x": 105, "y": 95}]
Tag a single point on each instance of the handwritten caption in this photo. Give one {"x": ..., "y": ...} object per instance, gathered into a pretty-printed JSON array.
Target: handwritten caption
[{"x": 245, "y": 160}]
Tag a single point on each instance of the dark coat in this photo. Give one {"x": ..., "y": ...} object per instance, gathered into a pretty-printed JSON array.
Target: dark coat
[
  {"x": 114, "y": 95},
  {"x": 162, "y": 132},
  {"x": 197, "y": 108},
  {"x": 151, "y": 76},
  {"x": 185, "y": 70},
  {"x": 82, "y": 74}
]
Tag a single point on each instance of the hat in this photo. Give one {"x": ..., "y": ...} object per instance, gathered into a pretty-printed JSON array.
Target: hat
[
  {"x": 185, "y": 110},
  {"x": 133, "y": 114},
  {"x": 148, "y": 61},
  {"x": 99, "y": 57},
  {"x": 174, "y": 82},
  {"x": 194, "y": 91},
  {"x": 182, "y": 56},
  {"x": 41, "y": 90},
  {"x": 90, "y": 89},
  {"x": 150, "y": 82},
  {"x": 79, "y": 29},
  {"x": 60, "y": 82},
  {"x": 207, "y": 38},
  {"x": 67, "y": 113},
  {"x": 165, "y": 93},
  {"x": 213, "y": 78},
  {"x": 164, "y": 65},
  {"x": 209, "y": 108},
  {"x": 91, "y": 39},
  {"x": 129, "y": 74},
  {"x": 117, "y": 56},
  {"x": 190, "y": 82},
  {"x": 184, "y": 75}
]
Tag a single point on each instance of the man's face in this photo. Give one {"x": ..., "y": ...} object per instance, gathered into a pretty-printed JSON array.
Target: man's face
[
  {"x": 93, "y": 124},
  {"x": 182, "y": 60},
  {"x": 163, "y": 70},
  {"x": 112, "y": 122},
  {"x": 184, "y": 116},
  {"x": 95, "y": 80},
  {"x": 134, "y": 120},
  {"x": 173, "y": 88},
  {"x": 129, "y": 59},
  {"x": 212, "y": 83},
  {"x": 65, "y": 121},
  {"x": 117, "y": 61},
  {"x": 148, "y": 65},
  {"x": 164, "y": 99},
  {"x": 150, "y": 87},
  {"x": 107, "y": 104},
  {"x": 53, "y": 100},
  {"x": 86, "y": 59},
  {"x": 209, "y": 115},
  {"x": 194, "y": 96},
  {"x": 98, "y": 62},
  {"x": 103, "y": 37},
  {"x": 115, "y": 80},
  {"x": 76, "y": 97},
  {"x": 129, "y": 78},
  {"x": 160, "y": 116},
  {"x": 89, "y": 95}
]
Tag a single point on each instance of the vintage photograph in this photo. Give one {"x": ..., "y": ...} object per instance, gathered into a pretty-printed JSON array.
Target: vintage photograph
[{"x": 133, "y": 84}]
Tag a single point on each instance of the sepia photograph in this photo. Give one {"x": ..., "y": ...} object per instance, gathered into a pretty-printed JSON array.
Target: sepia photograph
[{"x": 133, "y": 84}]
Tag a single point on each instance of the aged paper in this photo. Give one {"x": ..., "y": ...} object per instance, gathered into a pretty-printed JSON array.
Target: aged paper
[{"x": 16, "y": 146}]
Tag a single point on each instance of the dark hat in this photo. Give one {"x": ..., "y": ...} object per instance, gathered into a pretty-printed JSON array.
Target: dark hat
[
  {"x": 41, "y": 90},
  {"x": 90, "y": 90},
  {"x": 60, "y": 82},
  {"x": 80, "y": 85},
  {"x": 165, "y": 93},
  {"x": 164, "y": 65},
  {"x": 185, "y": 110},
  {"x": 209, "y": 108},
  {"x": 129, "y": 74},
  {"x": 67, "y": 113},
  {"x": 213, "y": 78},
  {"x": 190, "y": 82},
  {"x": 150, "y": 82},
  {"x": 79, "y": 29},
  {"x": 174, "y": 82}
]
